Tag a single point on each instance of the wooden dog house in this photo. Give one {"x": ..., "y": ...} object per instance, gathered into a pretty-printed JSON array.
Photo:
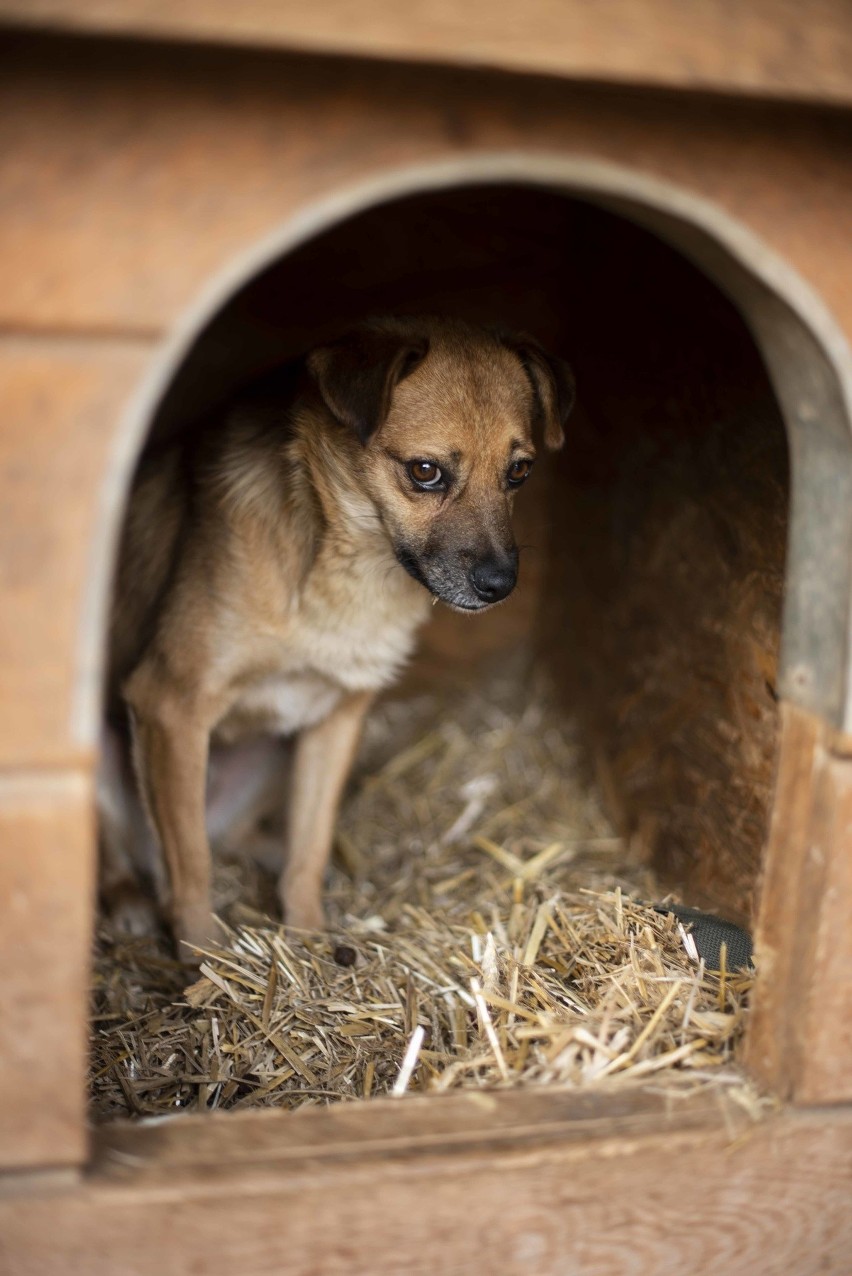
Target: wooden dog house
[{"x": 187, "y": 194}]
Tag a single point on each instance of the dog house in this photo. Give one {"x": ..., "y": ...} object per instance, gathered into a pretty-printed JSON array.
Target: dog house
[{"x": 186, "y": 197}]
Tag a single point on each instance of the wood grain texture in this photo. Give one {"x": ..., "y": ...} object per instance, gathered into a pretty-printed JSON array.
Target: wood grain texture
[
  {"x": 61, "y": 406},
  {"x": 800, "y": 1036},
  {"x": 385, "y": 1129},
  {"x": 130, "y": 176},
  {"x": 47, "y": 889},
  {"x": 767, "y": 47},
  {"x": 825, "y": 1041},
  {"x": 655, "y": 1197},
  {"x": 784, "y": 939}
]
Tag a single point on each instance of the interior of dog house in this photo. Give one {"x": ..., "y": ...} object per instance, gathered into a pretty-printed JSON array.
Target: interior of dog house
[{"x": 586, "y": 931}]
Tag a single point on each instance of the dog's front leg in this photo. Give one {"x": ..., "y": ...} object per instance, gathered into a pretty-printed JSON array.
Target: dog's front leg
[
  {"x": 170, "y": 751},
  {"x": 323, "y": 758}
]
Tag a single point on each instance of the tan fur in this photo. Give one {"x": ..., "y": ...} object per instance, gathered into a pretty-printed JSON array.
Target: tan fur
[{"x": 261, "y": 585}]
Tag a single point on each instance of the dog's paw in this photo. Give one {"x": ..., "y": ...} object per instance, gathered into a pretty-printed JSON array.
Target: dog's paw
[
  {"x": 130, "y": 911},
  {"x": 304, "y": 914},
  {"x": 195, "y": 929}
]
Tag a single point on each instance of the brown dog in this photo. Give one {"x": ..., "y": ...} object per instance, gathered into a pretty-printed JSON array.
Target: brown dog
[{"x": 275, "y": 569}]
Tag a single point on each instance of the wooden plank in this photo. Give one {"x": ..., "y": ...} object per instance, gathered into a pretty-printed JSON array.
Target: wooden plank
[
  {"x": 130, "y": 176},
  {"x": 826, "y": 1034},
  {"x": 783, "y": 937},
  {"x": 47, "y": 888},
  {"x": 767, "y": 47},
  {"x": 661, "y": 1201},
  {"x": 423, "y": 1124},
  {"x": 62, "y": 402},
  {"x": 800, "y": 1034}
]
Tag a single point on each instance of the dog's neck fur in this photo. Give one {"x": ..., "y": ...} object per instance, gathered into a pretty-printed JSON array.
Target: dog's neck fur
[
  {"x": 340, "y": 529},
  {"x": 308, "y": 494},
  {"x": 343, "y": 513},
  {"x": 296, "y": 485}
]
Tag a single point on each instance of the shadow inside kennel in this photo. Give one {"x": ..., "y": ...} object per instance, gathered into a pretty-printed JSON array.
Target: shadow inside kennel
[{"x": 622, "y": 704}]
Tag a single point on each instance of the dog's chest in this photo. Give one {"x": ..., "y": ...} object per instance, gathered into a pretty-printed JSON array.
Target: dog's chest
[
  {"x": 361, "y": 648},
  {"x": 279, "y": 704},
  {"x": 356, "y": 623},
  {"x": 357, "y": 640}
]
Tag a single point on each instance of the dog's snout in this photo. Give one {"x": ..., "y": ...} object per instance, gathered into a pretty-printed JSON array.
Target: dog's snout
[{"x": 495, "y": 578}]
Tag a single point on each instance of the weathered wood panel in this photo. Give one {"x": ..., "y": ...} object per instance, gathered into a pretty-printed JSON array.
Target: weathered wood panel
[
  {"x": 800, "y": 1036},
  {"x": 825, "y": 1038},
  {"x": 62, "y": 402},
  {"x": 132, "y": 175},
  {"x": 767, "y": 47},
  {"x": 47, "y": 890},
  {"x": 654, "y": 1194}
]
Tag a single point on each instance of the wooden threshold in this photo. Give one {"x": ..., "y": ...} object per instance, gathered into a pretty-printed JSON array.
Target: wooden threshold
[
  {"x": 385, "y": 1128},
  {"x": 534, "y": 1183}
]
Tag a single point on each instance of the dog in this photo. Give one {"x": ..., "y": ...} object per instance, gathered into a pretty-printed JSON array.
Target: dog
[{"x": 277, "y": 563}]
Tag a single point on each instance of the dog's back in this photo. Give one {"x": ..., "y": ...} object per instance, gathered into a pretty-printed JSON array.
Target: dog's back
[
  {"x": 157, "y": 514},
  {"x": 163, "y": 509}
]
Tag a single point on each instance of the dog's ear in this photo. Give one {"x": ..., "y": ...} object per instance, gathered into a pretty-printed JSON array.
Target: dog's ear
[
  {"x": 357, "y": 375},
  {"x": 552, "y": 382}
]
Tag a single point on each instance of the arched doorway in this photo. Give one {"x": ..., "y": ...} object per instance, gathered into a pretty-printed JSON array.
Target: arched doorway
[{"x": 604, "y": 263}]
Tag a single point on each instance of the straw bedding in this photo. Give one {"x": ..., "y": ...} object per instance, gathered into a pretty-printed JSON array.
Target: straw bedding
[{"x": 487, "y": 930}]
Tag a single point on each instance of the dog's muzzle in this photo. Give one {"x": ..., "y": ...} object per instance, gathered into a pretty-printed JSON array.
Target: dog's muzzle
[{"x": 461, "y": 584}]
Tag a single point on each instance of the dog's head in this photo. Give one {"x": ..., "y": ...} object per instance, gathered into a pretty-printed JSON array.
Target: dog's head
[{"x": 447, "y": 416}]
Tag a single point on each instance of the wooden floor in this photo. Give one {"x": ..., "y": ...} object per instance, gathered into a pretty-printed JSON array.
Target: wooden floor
[{"x": 538, "y": 1184}]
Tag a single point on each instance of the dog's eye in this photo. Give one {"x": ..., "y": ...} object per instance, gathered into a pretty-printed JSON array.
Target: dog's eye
[
  {"x": 425, "y": 474},
  {"x": 519, "y": 471}
]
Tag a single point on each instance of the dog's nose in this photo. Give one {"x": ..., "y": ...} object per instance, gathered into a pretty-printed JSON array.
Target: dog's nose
[{"x": 494, "y": 579}]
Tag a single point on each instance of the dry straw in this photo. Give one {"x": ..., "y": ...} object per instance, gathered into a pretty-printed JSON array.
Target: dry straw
[{"x": 488, "y": 931}]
